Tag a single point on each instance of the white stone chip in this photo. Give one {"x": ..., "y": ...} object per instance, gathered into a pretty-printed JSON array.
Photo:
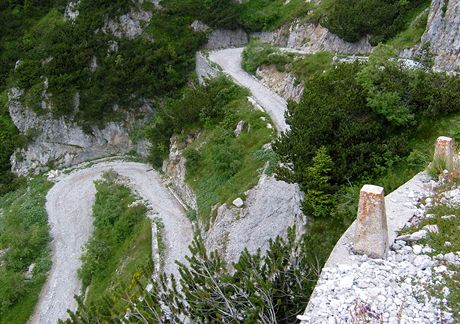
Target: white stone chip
[{"x": 238, "y": 202}]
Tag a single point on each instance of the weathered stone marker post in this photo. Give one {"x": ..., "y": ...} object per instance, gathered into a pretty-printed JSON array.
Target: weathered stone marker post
[
  {"x": 371, "y": 235},
  {"x": 444, "y": 150}
]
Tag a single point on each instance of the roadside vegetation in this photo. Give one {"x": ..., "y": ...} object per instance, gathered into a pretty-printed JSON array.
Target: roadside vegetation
[
  {"x": 444, "y": 215},
  {"x": 220, "y": 165},
  {"x": 415, "y": 25},
  {"x": 120, "y": 248},
  {"x": 355, "y": 19},
  {"x": 448, "y": 232},
  {"x": 302, "y": 66},
  {"x": 257, "y": 53},
  {"x": 255, "y": 292},
  {"x": 24, "y": 241}
]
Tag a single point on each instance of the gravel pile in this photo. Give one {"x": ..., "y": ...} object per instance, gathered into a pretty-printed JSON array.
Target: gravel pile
[{"x": 395, "y": 290}]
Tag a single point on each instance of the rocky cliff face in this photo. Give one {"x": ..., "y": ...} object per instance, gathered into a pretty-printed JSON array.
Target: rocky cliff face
[
  {"x": 282, "y": 83},
  {"x": 269, "y": 209},
  {"x": 130, "y": 25},
  {"x": 443, "y": 33},
  {"x": 61, "y": 142},
  {"x": 222, "y": 38},
  {"x": 174, "y": 169},
  {"x": 312, "y": 38},
  {"x": 204, "y": 69}
]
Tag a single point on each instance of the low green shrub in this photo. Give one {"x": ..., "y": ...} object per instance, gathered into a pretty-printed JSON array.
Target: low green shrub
[
  {"x": 257, "y": 54},
  {"x": 370, "y": 117},
  {"x": 24, "y": 240},
  {"x": 354, "y": 19},
  {"x": 220, "y": 166},
  {"x": 120, "y": 245}
]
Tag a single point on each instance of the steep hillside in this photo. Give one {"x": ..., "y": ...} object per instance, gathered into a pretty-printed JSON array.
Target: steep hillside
[
  {"x": 259, "y": 152},
  {"x": 442, "y": 34}
]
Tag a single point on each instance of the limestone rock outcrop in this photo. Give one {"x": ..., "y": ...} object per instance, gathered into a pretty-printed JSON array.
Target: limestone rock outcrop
[
  {"x": 130, "y": 25},
  {"x": 269, "y": 209},
  {"x": 312, "y": 38},
  {"x": 175, "y": 171},
  {"x": 282, "y": 83},
  {"x": 443, "y": 33},
  {"x": 223, "y": 38},
  {"x": 62, "y": 142},
  {"x": 204, "y": 69}
]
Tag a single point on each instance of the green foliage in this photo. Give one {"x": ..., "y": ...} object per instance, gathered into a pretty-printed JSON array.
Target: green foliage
[
  {"x": 378, "y": 79},
  {"x": 354, "y": 19},
  {"x": 318, "y": 198},
  {"x": 436, "y": 167},
  {"x": 355, "y": 138},
  {"x": 9, "y": 140},
  {"x": 198, "y": 106},
  {"x": 24, "y": 239},
  {"x": 369, "y": 117},
  {"x": 215, "y": 13},
  {"x": 254, "y": 292},
  {"x": 306, "y": 66},
  {"x": 220, "y": 166},
  {"x": 257, "y": 54},
  {"x": 258, "y": 15},
  {"x": 62, "y": 53},
  {"x": 415, "y": 22},
  {"x": 119, "y": 247}
]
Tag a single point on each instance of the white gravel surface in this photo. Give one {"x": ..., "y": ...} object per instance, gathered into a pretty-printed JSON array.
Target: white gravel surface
[
  {"x": 397, "y": 289},
  {"x": 69, "y": 206},
  {"x": 230, "y": 61}
]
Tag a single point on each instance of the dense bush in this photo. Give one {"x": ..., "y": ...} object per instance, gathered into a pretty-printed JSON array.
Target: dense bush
[
  {"x": 198, "y": 105},
  {"x": 220, "y": 166},
  {"x": 160, "y": 66},
  {"x": 258, "y": 15},
  {"x": 215, "y": 13},
  {"x": 9, "y": 140},
  {"x": 257, "y": 54},
  {"x": 354, "y": 19},
  {"x": 114, "y": 221},
  {"x": 364, "y": 115}
]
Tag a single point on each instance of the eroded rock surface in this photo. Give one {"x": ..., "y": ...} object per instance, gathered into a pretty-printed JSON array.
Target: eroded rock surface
[
  {"x": 282, "y": 83},
  {"x": 442, "y": 33},
  {"x": 312, "y": 38},
  {"x": 174, "y": 169},
  {"x": 223, "y": 38},
  {"x": 61, "y": 142},
  {"x": 130, "y": 25},
  {"x": 269, "y": 209}
]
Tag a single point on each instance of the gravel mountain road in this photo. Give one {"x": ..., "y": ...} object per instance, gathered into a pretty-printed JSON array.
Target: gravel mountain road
[
  {"x": 69, "y": 206},
  {"x": 230, "y": 61}
]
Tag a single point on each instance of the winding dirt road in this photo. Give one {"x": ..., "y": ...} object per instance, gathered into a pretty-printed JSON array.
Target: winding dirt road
[
  {"x": 69, "y": 206},
  {"x": 230, "y": 61}
]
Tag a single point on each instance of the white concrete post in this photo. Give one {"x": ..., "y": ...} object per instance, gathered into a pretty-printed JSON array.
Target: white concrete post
[
  {"x": 444, "y": 150},
  {"x": 371, "y": 234}
]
